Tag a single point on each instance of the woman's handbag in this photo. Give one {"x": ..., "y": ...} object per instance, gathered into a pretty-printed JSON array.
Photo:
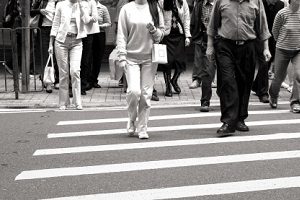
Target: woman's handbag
[
  {"x": 34, "y": 21},
  {"x": 115, "y": 71},
  {"x": 49, "y": 71},
  {"x": 159, "y": 54}
]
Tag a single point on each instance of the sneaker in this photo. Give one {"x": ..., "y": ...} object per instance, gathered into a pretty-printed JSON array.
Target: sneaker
[
  {"x": 273, "y": 102},
  {"x": 213, "y": 85},
  {"x": 62, "y": 107},
  {"x": 130, "y": 128},
  {"x": 204, "y": 107},
  {"x": 143, "y": 135},
  {"x": 194, "y": 84},
  {"x": 264, "y": 99},
  {"x": 48, "y": 88},
  {"x": 79, "y": 107},
  {"x": 295, "y": 108},
  {"x": 56, "y": 86}
]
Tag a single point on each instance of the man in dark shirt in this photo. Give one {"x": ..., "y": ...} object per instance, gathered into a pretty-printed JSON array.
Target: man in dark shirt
[
  {"x": 234, "y": 26},
  {"x": 261, "y": 83}
]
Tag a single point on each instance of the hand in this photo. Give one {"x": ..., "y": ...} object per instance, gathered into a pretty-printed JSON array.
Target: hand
[
  {"x": 94, "y": 19},
  {"x": 151, "y": 27},
  {"x": 210, "y": 53},
  {"x": 122, "y": 64},
  {"x": 50, "y": 49},
  {"x": 267, "y": 55},
  {"x": 43, "y": 11},
  {"x": 187, "y": 42},
  {"x": 7, "y": 18}
]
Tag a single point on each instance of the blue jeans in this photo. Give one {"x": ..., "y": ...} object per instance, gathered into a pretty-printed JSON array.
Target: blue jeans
[
  {"x": 282, "y": 60},
  {"x": 68, "y": 57}
]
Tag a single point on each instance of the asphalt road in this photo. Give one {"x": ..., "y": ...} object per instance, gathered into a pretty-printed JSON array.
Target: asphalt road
[{"x": 47, "y": 154}]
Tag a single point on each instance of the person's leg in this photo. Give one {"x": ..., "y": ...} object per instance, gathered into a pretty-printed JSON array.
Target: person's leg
[
  {"x": 295, "y": 97},
  {"x": 148, "y": 71},
  {"x": 75, "y": 60},
  {"x": 86, "y": 63},
  {"x": 62, "y": 57},
  {"x": 244, "y": 75},
  {"x": 132, "y": 73},
  {"x": 197, "y": 69},
  {"x": 282, "y": 59},
  {"x": 98, "y": 52},
  {"x": 227, "y": 86}
]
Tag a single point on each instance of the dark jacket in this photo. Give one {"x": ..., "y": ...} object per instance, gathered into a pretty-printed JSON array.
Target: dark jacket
[
  {"x": 197, "y": 27},
  {"x": 271, "y": 12},
  {"x": 36, "y": 7}
]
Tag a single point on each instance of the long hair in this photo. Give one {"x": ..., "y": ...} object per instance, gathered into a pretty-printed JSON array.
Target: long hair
[
  {"x": 168, "y": 4},
  {"x": 154, "y": 11}
]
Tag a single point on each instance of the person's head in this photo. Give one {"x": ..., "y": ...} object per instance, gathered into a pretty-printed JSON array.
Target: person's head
[{"x": 294, "y": 5}]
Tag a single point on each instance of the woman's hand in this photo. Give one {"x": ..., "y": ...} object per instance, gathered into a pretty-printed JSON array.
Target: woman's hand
[
  {"x": 151, "y": 27},
  {"x": 50, "y": 49},
  {"x": 122, "y": 63},
  {"x": 210, "y": 53},
  {"x": 43, "y": 12},
  {"x": 187, "y": 42}
]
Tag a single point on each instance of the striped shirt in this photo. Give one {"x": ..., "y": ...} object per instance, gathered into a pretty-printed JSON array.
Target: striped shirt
[
  {"x": 286, "y": 29},
  {"x": 103, "y": 17}
]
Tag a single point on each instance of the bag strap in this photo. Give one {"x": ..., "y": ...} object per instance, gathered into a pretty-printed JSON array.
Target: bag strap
[{"x": 48, "y": 60}]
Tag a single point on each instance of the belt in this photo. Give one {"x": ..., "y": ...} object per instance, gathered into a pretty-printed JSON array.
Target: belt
[
  {"x": 71, "y": 35},
  {"x": 237, "y": 42}
]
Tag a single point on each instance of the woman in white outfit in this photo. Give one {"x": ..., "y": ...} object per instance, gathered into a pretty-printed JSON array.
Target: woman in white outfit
[
  {"x": 140, "y": 25},
  {"x": 68, "y": 29}
]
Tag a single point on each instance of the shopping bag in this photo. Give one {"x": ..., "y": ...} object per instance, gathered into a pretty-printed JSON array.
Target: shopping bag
[
  {"x": 49, "y": 71},
  {"x": 116, "y": 72},
  {"x": 34, "y": 21},
  {"x": 159, "y": 54}
]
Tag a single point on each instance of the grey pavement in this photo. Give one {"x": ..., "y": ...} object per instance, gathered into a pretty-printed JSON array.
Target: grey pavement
[{"x": 109, "y": 95}]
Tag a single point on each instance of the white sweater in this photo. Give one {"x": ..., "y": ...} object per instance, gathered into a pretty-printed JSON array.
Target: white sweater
[{"x": 133, "y": 39}]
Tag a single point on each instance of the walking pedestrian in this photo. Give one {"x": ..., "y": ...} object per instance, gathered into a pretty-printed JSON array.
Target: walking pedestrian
[
  {"x": 234, "y": 25},
  {"x": 140, "y": 25},
  {"x": 176, "y": 41},
  {"x": 286, "y": 31},
  {"x": 261, "y": 83},
  {"x": 67, "y": 30},
  {"x": 205, "y": 69}
]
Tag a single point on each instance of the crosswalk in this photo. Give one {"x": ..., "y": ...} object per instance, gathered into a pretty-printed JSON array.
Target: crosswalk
[{"x": 176, "y": 163}]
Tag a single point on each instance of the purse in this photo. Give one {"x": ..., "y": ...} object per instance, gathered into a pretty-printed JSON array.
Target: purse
[
  {"x": 116, "y": 72},
  {"x": 159, "y": 54},
  {"x": 48, "y": 77},
  {"x": 34, "y": 21}
]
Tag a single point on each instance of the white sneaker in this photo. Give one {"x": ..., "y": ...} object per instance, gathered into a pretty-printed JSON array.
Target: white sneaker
[
  {"x": 130, "y": 128},
  {"x": 194, "y": 84},
  {"x": 143, "y": 135},
  {"x": 79, "y": 107},
  {"x": 56, "y": 86},
  {"x": 62, "y": 107}
]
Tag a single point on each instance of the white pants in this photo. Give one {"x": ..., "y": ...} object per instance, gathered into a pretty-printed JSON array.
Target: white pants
[
  {"x": 140, "y": 80},
  {"x": 68, "y": 56}
]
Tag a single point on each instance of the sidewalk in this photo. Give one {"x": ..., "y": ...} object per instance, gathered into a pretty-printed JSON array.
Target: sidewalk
[{"x": 111, "y": 94}]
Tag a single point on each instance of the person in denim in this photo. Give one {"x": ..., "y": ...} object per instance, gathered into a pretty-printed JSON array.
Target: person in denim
[
  {"x": 68, "y": 29},
  {"x": 286, "y": 31}
]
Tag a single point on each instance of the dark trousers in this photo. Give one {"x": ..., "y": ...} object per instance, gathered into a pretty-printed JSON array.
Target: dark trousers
[
  {"x": 86, "y": 61},
  {"x": 98, "y": 51},
  {"x": 261, "y": 83},
  {"x": 207, "y": 73},
  {"x": 235, "y": 71}
]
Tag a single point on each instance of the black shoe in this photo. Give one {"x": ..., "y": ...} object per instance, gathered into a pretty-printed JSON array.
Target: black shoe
[
  {"x": 225, "y": 130},
  {"x": 83, "y": 92},
  {"x": 88, "y": 87},
  {"x": 273, "y": 102},
  {"x": 264, "y": 99},
  {"x": 154, "y": 95},
  {"x": 96, "y": 85},
  {"x": 241, "y": 126},
  {"x": 174, "y": 83},
  {"x": 204, "y": 107}
]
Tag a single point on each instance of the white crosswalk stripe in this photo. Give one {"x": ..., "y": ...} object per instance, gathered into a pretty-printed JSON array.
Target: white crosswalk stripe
[
  {"x": 195, "y": 190},
  {"x": 114, "y": 168}
]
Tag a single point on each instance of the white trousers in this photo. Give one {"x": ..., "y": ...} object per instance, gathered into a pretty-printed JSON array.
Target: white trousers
[
  {"x": 140, "y": 80},
  {"x": 68, "y": 56}
]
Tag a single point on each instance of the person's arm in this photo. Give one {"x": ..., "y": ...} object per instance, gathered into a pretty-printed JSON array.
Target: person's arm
[
  {"x": 210, "y": 50},
  {"x": 106, "y": 18},
  {"x": 122, "y": 37},
  {"x": 186, "y": 22},
  {"x": 277, "y": 25},
  {"x": 55, "y": 27},
  {"x": 157, "y": 32},
  {"x": 84, "y": 12}
]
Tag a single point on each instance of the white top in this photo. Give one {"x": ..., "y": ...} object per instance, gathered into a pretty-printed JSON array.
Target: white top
[{"x": 48, "y": 18}]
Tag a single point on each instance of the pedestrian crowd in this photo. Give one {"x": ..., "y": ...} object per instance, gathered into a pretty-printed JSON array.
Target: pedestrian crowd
[{"x": 232, "y": 40}]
